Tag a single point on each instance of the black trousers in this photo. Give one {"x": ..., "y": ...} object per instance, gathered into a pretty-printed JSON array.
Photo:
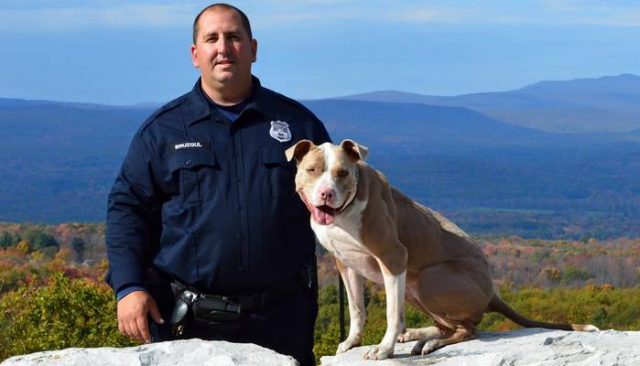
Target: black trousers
[{"x": 285, "y": 326}]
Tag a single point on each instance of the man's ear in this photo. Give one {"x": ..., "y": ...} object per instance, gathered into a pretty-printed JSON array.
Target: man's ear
[
  {"x": 299, "y": 150},
  {"x": 354, "y": 150},
  {"x": 254, "y": 49},
  {"x": 194, "y": 56}
]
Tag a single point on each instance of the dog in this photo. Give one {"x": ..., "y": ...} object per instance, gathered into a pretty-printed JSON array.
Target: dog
[{"x": 377, "y": 233}]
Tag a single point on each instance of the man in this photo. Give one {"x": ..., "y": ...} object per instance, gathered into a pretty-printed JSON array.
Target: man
[{"x": 205, "y": 201}]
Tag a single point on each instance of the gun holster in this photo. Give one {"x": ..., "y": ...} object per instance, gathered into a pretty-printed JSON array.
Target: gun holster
[
  {"x": 217, "y": 309},
  {"x": 211, "y": 310}
]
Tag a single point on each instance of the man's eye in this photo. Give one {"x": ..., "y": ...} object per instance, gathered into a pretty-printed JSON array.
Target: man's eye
[{"x": 311, "y": 171}]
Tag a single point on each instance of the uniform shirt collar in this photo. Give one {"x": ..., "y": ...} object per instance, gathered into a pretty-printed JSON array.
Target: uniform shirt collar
[{"x": 198, "y": 106}]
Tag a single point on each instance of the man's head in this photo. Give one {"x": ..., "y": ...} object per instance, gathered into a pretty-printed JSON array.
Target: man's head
[
  {"x": 243, "y": 17},
  {"x": 224, "y": 50}
]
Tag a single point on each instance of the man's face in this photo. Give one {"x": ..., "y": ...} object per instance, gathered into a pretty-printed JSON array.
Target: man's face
[{"x": 223, "y": 51}]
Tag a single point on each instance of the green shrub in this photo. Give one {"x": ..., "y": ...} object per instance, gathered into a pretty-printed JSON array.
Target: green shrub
[
  {"x": 64, "y": 313},
  {"x": 327, "y": 329}
]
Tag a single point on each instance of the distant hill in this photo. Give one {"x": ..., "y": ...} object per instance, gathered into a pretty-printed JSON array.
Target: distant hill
[
  {"x": 489, "y": 175},
  {"x": 59, "y": 159},
  {"x": 606, "y": 104},
  {"x": 402, "y": 123}
]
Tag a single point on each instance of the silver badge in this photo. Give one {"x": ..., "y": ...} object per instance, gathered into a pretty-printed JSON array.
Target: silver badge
[{"x": 280, "y": 131}]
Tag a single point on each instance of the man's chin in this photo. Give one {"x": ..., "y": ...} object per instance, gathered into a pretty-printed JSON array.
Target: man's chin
[{"x": 224, "y": 76}]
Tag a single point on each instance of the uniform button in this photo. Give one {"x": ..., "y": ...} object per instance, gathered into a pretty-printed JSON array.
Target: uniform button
[{"x": 187, "y": 163}]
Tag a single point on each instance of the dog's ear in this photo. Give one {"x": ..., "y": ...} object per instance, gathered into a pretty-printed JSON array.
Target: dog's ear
[
  {"x": 299, "y": 150},
  {"x": 354, "y": 150}
]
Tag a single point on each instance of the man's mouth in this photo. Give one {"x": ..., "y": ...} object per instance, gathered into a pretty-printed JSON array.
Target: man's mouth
[{"x": 224, "y": 62}]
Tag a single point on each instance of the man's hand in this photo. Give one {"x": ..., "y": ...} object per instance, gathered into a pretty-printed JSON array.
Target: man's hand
[{"x": 132, "y": 315}]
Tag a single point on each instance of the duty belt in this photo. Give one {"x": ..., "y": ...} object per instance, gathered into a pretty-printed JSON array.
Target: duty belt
[{"x": 224, "y": 311}]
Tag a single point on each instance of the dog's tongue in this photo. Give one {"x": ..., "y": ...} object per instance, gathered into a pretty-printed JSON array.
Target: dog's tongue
[{"x": 323, "y": 215}]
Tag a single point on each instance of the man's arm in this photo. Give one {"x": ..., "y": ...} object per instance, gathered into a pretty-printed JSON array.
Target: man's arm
[{"x": 133, "y": 227}]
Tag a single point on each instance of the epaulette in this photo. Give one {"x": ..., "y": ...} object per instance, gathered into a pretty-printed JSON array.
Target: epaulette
[{"x": 162, "y": 110}]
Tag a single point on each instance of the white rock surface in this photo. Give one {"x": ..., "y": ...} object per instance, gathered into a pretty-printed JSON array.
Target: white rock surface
[
  {"x": 192, "y": 352},
  {"x": 520, "y": 347}
]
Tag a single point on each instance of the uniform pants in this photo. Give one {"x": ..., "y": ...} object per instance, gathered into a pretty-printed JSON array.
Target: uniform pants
[{"x": 285, "y": 326}]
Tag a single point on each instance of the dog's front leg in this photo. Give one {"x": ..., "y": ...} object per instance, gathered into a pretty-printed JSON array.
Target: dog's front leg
[
  {"x": 354, "y": 284},
  {"x": 394, "y": 286}
]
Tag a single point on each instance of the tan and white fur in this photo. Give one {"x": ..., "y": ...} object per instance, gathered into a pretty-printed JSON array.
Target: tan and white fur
[{"x": 377, "y": 233}]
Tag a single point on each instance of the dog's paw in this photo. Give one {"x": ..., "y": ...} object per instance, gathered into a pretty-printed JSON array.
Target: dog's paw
[
  {"x": 347, "y": 345},
  {"x": 430, "y": 346},
  {"x": 378, "y": 353},
  {"x": 407, "y": 336},
  {"x": 417, "y": 348}
]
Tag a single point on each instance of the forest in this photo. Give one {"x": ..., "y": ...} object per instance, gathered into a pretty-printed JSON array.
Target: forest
[{"x": 53, "y": 295}]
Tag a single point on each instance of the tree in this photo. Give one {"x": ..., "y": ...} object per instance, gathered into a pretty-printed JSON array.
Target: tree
[
  {"x": 7, "y": 240},
  {"x": 40, "y": 240},
  {"x": 79, "y": 247}
]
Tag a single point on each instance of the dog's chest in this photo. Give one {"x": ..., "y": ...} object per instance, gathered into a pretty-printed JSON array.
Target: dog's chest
[{"x": 343, "y": 240}]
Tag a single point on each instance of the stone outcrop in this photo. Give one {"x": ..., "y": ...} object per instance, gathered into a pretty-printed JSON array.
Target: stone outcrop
[
  {"x": 521, "y": 347},
  {"x": 193, "y": 352}
]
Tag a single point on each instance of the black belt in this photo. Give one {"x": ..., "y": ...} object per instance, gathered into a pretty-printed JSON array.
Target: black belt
[{"x": 225, "y": 309}]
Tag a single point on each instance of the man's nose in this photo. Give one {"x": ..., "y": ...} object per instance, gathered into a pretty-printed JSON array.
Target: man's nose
[{"x": 223, "y": 45}]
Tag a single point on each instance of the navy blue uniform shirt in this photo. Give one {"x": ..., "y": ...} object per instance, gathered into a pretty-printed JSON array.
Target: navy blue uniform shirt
[{"x": 210, "y": 202}]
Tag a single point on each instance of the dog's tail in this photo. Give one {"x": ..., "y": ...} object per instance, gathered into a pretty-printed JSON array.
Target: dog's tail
[{"x": 497, "y": 305}]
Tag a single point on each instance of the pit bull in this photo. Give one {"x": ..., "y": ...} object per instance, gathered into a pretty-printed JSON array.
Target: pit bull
[{"x": 377, "y": 233}]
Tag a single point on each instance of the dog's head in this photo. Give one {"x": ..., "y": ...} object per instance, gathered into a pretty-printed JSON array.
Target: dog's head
[{"x": 327, "y": 176}]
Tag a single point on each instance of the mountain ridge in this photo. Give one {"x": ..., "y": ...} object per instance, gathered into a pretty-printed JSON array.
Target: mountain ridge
[{"x": 604, "y": 104}]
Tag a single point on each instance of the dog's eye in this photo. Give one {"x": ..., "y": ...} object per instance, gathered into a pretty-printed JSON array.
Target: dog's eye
[
  {"x": 342, "y": 173},
  {"x": 311, "y": 171}
]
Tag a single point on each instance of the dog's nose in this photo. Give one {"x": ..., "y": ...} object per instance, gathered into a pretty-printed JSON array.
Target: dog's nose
[{"x": 327, "y": 195}]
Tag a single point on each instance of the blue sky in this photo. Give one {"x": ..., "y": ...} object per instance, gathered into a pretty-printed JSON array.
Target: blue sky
[{"x": 127, "y": 52}]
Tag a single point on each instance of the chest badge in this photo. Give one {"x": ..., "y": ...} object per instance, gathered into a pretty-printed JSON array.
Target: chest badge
[{"x": 280, "y": 131}]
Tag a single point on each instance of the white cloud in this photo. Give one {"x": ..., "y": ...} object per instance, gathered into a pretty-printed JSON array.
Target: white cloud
[
  {"x": 467, "y": 12},
  {"x": 623, "y": 13},
  {"x": 55, "y": 15},
  {"x": 58, "y": 17}
]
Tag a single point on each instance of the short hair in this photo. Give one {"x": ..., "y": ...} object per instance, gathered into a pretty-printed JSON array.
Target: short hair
[{"x": 243, "y": 18}]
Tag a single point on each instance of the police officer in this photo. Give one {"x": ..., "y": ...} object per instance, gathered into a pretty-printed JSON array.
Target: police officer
[{"x": 205, "y": 235}]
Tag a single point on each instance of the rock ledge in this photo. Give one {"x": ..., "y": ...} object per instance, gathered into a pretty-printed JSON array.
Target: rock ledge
[
  {"x": 520, "y": 347},
  {"x": 192, "y": 352}
]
